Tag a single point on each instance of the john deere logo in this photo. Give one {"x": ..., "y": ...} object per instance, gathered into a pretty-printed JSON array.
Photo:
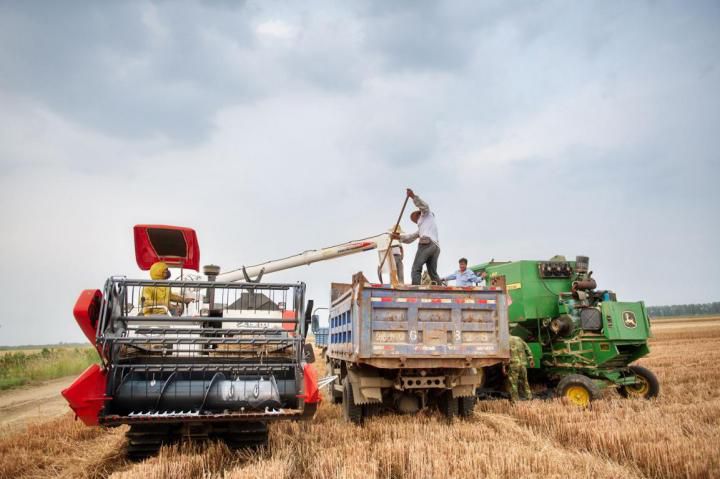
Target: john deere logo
[{"x": 629, "y": 319}]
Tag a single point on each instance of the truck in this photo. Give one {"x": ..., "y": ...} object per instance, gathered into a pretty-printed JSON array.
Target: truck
[
  {"x": 405, "y": 348},
  {"x": 583, "y": 339},
  {"x": 226, "y": 361}
]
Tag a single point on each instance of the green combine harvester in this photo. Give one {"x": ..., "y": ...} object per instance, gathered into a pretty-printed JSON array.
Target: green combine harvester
[{"x": 583, "y": 340}]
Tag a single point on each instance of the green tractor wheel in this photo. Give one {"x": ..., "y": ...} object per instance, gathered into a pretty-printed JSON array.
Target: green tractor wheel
[
  {"x": 577, "y": 389},
  {"x": 647, "y": 386}
]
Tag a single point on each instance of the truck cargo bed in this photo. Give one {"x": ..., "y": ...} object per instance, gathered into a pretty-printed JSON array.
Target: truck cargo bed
[{"x": 417, "y": 326}]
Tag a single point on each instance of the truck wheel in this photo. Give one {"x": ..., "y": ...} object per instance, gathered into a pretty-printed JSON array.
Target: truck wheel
[
  {"x": 448, "y": 405},
  {"x": 335, "y": 397},
  {"x": 577, "y": 389},
  {"x": 466, "y": 406},
  {"x": 308, "y": 353},
  {"x": 353, "y": 412},
  {"x": 648, "y": 386}
]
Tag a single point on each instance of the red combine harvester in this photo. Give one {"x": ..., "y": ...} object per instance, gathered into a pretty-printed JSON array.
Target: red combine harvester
[{"x": 201, "y": 357}]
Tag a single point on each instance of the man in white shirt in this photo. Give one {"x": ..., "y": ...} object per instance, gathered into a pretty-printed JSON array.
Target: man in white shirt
[{"x": 428, "y": 250}]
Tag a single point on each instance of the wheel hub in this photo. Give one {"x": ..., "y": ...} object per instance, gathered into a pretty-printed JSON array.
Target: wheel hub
[
  {"x": 578, "y": 395},
  {"x": 640, "y": 388}
]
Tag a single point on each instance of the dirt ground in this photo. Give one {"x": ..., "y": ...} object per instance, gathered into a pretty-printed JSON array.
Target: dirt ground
[
  {"x": 32, "y": 403},
  {"x": 675, "y": 435}
]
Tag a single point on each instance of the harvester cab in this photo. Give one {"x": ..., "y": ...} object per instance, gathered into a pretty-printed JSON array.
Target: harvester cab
[
  {"x": 224, "y": 366},
  {"x": 583, "y": 339}
]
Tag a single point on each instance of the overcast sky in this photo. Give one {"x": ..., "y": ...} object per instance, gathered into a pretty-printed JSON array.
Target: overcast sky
[{"x": 531, "y": 128}]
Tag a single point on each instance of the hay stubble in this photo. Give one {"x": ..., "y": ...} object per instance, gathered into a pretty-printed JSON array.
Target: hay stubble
[{"x": 677, "y": 435}]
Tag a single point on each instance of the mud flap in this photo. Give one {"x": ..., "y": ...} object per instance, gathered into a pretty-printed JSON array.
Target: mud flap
[
  {"x": 367, "y": 387},
  {"x": 466, "y": 384}
]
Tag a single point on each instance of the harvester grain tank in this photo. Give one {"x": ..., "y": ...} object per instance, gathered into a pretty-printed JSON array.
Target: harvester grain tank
[
  {"x": 583, "y": 340},
  {"x": 404, "y": 348}
]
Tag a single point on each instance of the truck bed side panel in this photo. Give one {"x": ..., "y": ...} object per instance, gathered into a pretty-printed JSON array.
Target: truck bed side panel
[{"x": 414, "y": 323}]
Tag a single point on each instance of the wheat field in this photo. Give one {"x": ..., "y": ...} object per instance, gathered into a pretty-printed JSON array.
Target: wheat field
[{"x": 676, "y": 435}]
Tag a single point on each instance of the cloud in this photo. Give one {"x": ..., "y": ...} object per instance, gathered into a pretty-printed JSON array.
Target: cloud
[
  {"x": 276, "y": 29},
  {"x": 532, "y": 131}
]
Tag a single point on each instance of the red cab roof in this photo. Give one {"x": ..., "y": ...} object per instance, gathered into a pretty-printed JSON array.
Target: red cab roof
[{"x": 175, "y": 245}]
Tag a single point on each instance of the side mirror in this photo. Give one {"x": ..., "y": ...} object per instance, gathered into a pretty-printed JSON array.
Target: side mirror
[{"x": 315, "y": 323}]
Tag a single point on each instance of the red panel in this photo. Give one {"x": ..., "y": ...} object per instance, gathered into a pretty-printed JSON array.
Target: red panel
[
  {"x": 86, "y": 395},
  {"x": 86, "y": 312},
  {"x": 146, "y": 256},
  {"x": 312, "y": 393},
  {"x": 288, "y": 315}
]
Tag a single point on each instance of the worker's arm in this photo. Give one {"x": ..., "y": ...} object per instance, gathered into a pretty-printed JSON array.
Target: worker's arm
[
  {"x": 421, "y": 205},
  {"x": 179, "y": 298},
  {"x": 529, "y": 353},
  {"x": 450, "y": 277},
  {"x": 148, "y": 295},
  {"x": 409, "y": 238},
  {"x": 477, "y": 278}
]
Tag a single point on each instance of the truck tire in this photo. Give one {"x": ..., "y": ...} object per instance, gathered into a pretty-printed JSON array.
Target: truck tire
[
  {"x": 448, "y": 405},
  {"x": 466, "y": 406},
  {"x": 353, "y": 412},
  {"x": 577, "y": 389},
  {"x": 647, "y": 388},
  {"x": 308, "y": 353},
  {"x": 335, "y": 397}
]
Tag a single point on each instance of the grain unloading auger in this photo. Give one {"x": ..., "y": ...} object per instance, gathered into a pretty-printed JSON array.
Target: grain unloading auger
[{"x": 225, "y": 361}]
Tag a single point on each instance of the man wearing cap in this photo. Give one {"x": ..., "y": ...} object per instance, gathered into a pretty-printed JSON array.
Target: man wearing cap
[
  {"x": 464, "y": 276},
  {"x": 428, "y": 250},
  {"x": 398, "y": 254}
]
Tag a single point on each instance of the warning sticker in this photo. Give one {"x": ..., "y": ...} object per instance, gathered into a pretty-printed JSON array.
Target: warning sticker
[{"x": 512, "y": 286}]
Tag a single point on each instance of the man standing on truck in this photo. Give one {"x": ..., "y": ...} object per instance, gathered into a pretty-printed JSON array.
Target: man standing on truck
[
  {"x": 398, "y": 254},
  {"x": 464, "y": 276},
  {"x": 428, "y": 250},
  {"x": 520, "y": 354}
]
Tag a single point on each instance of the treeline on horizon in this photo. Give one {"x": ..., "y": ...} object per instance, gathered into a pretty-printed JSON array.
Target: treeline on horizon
[{"x": 685, "y": 309}]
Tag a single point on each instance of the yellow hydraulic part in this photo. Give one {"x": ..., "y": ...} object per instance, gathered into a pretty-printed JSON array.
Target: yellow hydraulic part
[
  {"x": 639, "y": 389},
  {"x": 578, "y": 395}
]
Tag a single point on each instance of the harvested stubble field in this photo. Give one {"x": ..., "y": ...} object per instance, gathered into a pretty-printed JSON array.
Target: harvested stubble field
[{"x": 677, "y": 435}]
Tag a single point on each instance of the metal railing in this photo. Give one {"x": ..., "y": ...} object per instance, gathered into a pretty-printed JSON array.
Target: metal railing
[{"x": 183, "y": 322}]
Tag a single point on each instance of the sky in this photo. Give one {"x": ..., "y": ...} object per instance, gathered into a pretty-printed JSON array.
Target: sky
[{"x": 531, "y": 128}]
